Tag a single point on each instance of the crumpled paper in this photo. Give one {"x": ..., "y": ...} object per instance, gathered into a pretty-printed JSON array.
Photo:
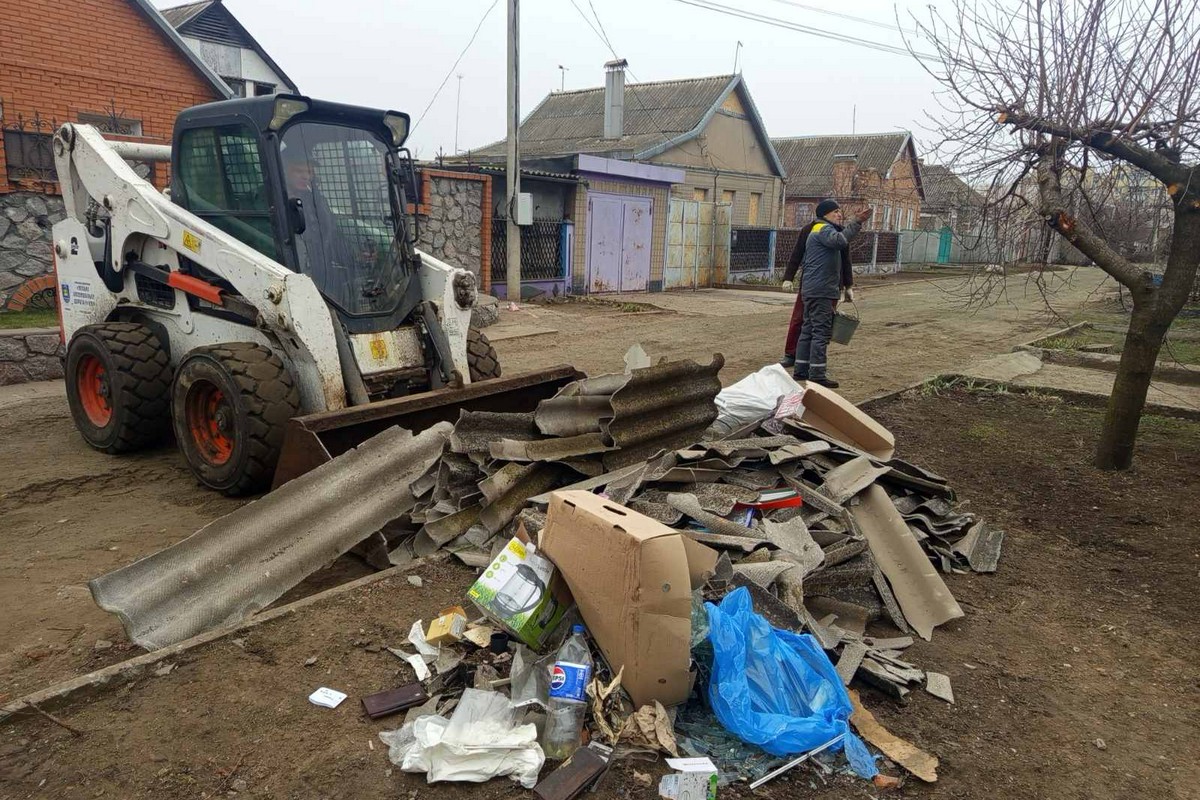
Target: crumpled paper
[{"x": 648, "y": 727}]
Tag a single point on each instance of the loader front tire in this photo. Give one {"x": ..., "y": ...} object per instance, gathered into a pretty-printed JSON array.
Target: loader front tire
[
  {"x": 230, "y": 404},
  {"x": 118, "y": 378},
  {"x": 481, "y": 356}
]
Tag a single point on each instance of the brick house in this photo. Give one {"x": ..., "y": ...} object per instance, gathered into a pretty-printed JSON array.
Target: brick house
[
  {"x": 116, "y": 64},
  {"x": 949, "y": 201},
  {"x": 880, "y": 170}
]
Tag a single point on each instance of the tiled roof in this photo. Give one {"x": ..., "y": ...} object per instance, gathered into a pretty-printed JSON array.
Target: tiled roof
[
  {"x": 573, "y": 122},
  {"x": 944, "y": 189},
  {"x": 178, "y": 15},
  {"x": 808, "y": 160}
]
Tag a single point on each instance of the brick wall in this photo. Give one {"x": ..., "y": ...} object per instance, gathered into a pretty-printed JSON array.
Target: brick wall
[
  {"x": 659, "y": 194},
  {"x": 856, "y": 189},
  {"x": 93, "y": 56},
  {"x": 30, "y": 354}
]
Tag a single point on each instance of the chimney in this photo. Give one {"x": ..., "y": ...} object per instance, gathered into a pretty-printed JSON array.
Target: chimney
[
  {"x": 614, "y": 99},
  {"x": 845, "y": 165}
]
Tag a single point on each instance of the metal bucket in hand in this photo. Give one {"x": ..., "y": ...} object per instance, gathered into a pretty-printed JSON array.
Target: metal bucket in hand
[{"x": 844, "y": 325}]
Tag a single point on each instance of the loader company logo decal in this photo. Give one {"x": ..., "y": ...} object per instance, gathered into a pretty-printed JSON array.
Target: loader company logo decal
[
  {"x": 78, "y": 294},
  {"x": 379, "y": 350},
  {"x": 191, "y": 241}
]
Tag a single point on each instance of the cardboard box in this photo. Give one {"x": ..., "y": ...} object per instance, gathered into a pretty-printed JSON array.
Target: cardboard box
[
  {"x": 522, "y": 592},
  {"x": 835, "y": 416},
  {"x": 449, "y": 627},
  {"x": 632, "y": 578}
]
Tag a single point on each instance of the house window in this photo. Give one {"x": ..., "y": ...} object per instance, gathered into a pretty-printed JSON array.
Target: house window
[
  {"x": 263, "y": 88},
  {"x": 755, "y": 202},
  {"x": 802, "y": 214},
  {"x": 237, "y": 85},
  {"x": 887, "y": 218},
  {"x": 728, "y": 196},
  {"x": 700, "y": 194},
  {"x": 111, "y": 123},
  {"x": 910, "y": 216},
  {"x": 28, "y": 155}
]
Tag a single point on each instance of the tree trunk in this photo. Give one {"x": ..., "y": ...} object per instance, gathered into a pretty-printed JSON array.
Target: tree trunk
[
  {"x": 1153, "y": 312},
  {"x": 1143, "y": 340}
]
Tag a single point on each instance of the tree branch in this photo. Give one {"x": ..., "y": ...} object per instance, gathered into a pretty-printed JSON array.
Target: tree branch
[
  {"x": 1075, "y": 231},
  {"x": 1158, "y": 165}
]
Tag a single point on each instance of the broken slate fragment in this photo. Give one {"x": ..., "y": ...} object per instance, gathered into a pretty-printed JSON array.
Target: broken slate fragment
[
  {"x": 848, "y": 663},
  {"x": 416, "y": 581},
  {"x": 938, "y": 685}
]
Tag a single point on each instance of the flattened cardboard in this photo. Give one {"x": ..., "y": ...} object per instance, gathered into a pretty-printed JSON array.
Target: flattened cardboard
[
  {"x": 836, "y": 417},
  {"x": 632, "y": 579}
]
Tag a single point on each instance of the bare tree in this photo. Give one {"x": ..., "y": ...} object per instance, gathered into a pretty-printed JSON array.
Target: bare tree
[{"x": 1058, "y": 93}]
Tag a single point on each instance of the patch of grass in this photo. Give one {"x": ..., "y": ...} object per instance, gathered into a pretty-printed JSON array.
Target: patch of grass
[
  {"x": 28, "y": 319},
  {"x": 984, "y": 431},
  {"x": 935, "y": 387}
]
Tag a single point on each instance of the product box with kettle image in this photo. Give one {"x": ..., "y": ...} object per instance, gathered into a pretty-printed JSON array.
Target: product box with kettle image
[{"x": 523, "y": 592}]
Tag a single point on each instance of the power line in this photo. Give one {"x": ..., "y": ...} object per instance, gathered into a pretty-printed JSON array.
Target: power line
[
  {"x": 454, "y": 66},
  {"x": 887, "y": 26},
  {"x": 794, "y": 26}
]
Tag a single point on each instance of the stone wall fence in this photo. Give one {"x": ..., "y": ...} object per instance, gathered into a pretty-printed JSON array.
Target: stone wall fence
[
  {"x": 25, "y": 239},
  {"x": 30, "y": 354}
]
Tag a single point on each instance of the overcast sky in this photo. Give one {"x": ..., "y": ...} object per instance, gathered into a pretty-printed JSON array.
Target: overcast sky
[{"x": 395, "y": 53}]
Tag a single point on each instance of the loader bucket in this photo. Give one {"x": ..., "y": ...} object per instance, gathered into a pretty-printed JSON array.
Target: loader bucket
[{"x": 314, "y": 439}]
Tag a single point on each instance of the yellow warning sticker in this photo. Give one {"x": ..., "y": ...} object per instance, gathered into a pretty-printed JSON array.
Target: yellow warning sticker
[
  {"x": 379, "y": 350},
  {"x": 191, "y": 241}
]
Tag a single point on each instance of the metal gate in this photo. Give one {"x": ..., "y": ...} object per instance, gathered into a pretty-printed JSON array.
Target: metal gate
[
  {"x": 620, "y": 231},
  {"x": 697, "y": 244}
]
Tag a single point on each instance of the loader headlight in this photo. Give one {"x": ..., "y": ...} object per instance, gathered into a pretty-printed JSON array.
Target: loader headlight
[
  {"x": 286, "y": 108},
  {"x": 464, "y": 289}
]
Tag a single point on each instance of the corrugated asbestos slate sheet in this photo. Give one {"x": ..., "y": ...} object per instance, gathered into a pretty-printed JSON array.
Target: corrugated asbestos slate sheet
[{"x": 244, "y": 561}]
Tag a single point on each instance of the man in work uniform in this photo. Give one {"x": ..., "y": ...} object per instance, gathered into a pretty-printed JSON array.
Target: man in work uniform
[
  {"x": 789, "y": 276},
  {"x": 820, "y": 280}
]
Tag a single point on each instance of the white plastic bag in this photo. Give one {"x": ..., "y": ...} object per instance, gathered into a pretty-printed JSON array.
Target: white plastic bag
[
  {"x": 753, "y": 398},
  {"x": 480, "y": 741}
]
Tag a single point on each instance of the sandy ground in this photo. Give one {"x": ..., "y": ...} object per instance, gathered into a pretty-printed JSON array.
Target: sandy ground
[
  {"x": 1073, "y": 671},
  {"x": 68, "y": 514}
]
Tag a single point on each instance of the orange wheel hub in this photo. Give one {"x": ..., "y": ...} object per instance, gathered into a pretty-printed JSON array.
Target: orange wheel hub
[
  {"x": 95, "y": 392},
  {"x": 210, "y": 418}
]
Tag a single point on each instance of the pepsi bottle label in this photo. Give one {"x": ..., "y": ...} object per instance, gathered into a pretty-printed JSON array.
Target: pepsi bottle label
[{"x": 569, "y": 681}]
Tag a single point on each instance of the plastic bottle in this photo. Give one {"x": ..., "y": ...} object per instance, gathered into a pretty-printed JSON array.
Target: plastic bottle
[{"x": 568, "y": 696}]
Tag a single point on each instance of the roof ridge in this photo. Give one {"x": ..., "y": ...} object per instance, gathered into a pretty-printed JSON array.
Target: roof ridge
[
  {"x": 839, "y": 136},
  {"x": 675, "y": 81}
]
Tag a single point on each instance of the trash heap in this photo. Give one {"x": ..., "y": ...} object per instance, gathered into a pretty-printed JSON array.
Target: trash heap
[{"x": 697, "y": 526}]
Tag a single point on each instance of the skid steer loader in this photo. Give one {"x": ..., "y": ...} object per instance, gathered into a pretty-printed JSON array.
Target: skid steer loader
[{"x": 274, "y": 302}]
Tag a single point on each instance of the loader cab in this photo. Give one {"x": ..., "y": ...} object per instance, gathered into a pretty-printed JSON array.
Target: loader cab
[{"x": 322, "y": 188}]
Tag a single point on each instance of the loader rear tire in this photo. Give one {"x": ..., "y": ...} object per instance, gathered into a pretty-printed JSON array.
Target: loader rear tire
[
  {"x": 230, "y": 405},
  {"x": 481, "y": 356},
  {"x": 118, "y": 377}
]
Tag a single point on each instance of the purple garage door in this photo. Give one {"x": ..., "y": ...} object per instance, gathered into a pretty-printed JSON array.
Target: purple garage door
[{"x": 619, "y": 233}]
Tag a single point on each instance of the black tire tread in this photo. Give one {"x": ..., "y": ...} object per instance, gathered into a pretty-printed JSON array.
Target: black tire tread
[
  {"x": 482, "y": 360},
  {"x": 143, "y": 389},
  {"x": 271, "y": 399}
]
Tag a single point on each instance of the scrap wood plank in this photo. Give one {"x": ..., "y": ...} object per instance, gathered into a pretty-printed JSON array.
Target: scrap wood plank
[{"x": 903, "y": 752}]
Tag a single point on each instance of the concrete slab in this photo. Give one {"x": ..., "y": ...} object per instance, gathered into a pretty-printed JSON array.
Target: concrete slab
[
  {"x": 504, "y": 331},
  {"x": 1005, "y": 368}
]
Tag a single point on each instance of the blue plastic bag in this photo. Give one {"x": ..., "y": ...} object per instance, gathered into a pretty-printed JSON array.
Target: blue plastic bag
[{"x": 776, "y": 689}]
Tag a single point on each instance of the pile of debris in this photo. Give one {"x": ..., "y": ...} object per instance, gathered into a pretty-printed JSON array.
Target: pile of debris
[{"x": 645, "y": 505}]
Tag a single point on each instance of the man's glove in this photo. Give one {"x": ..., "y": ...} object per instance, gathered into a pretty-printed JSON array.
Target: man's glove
[
  {"x": 848, "y": 294},
  {"x": 789, "y": 286}
]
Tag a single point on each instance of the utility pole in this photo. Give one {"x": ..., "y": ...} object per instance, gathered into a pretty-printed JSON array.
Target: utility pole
[
  {"x": 563, "y": 70},
  {"x": 457, "y": 110},
  {"x": 512, "y": 233}
]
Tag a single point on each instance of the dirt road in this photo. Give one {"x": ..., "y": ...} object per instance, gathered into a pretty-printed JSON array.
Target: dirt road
[{"x": 68, "y": 514}]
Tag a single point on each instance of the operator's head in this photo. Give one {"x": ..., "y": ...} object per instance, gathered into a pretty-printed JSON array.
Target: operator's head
[
  {"x": 830, "y": 210},
  {"x": 299, "y": 174}
]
